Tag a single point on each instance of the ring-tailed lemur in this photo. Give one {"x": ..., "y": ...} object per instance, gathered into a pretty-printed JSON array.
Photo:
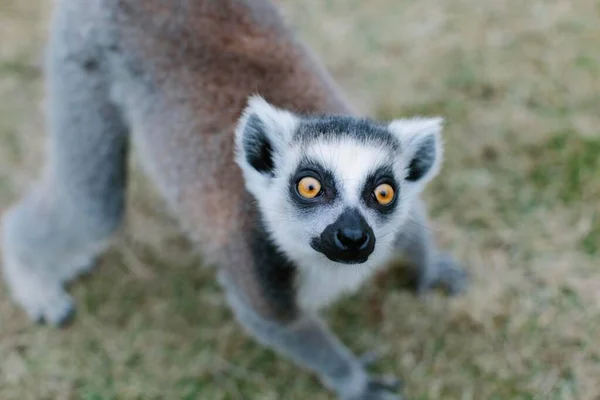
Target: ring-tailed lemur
[{"x": 296, "y": 202}]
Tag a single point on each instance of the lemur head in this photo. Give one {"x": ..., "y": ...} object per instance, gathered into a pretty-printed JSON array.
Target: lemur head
[{"x": 334, "y": 189}]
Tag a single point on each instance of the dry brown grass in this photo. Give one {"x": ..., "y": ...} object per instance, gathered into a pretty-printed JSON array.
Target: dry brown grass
[{"x": 518, "y": 200}]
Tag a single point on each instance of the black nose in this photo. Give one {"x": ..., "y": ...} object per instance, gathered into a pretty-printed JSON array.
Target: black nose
[
  {"x": 352, "y": 238},
  {"x": 348, "y": 240}
]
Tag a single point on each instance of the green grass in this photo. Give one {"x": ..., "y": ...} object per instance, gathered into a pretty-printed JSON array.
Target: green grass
[{"x": 518, "y": 200}]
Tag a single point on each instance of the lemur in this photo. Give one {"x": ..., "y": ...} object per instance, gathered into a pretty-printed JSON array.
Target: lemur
[{"x": 294, "y": 197}]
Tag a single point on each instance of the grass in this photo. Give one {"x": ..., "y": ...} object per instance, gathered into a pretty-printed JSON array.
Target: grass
[{"x": 518, "y": 200}]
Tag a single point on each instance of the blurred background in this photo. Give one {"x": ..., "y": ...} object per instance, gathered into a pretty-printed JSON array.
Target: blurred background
[{"x": 518, "y": 200}]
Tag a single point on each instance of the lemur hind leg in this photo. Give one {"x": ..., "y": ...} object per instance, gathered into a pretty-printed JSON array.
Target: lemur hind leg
[
  {"x": 429, "y": 267},
  {"x": 55, "y": 232}
]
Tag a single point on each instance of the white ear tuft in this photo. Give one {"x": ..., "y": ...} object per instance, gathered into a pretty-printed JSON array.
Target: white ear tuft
[
  {"x": 417, "y": 126},
  {"x": 422, "y": 147},
  {"x": 261, "y": 135}
]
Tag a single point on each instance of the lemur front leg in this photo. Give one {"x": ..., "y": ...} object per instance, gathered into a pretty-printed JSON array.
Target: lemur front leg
[
  {"x": 61, "y": 226},
  {"x": 309, "y": 343},
  {"x": 433, "y": 268}
]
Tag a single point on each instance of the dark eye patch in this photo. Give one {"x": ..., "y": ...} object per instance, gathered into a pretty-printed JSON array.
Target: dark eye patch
[
  {"x": 381, "y": 175},
  {"x": 316, "y": 170}
]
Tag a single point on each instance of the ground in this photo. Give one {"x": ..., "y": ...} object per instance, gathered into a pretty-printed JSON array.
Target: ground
[{"x": 518, "y": 200}]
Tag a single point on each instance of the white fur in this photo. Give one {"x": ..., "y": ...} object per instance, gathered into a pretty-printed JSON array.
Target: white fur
[
  {"x": 350, "y": 161},
  {"x": 279, "y": 125},
  {"x": 321, "y": 280},
  {"x": 412, "y": 133},
  {"x": 320, "y": 285}
]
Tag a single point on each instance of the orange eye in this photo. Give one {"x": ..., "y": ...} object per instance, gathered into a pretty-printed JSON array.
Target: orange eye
[
  {"x": 309, "y": 187},
  {"x": 384, "y": 194}
]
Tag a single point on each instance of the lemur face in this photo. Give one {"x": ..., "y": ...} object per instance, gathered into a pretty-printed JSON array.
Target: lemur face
[{"x": 334, "y": 189}]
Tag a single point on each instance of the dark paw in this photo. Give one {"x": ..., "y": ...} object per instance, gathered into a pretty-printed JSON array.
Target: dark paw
[
  {"x": 67, "y": 319},
  {"x": 60, "y": 319},
  {"x": 378, "y": 387},
  {"x": 449, "y": 276}
]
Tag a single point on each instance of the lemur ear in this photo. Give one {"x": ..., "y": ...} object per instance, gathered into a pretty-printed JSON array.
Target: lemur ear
[
  {"x": 422, "y": 147},
  {"x": 261, "y": 134}
]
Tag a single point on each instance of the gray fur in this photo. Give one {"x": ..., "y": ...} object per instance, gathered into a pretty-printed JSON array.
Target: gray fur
[
  {"x": 56, "y": 231},
  {"x": 313, "y": 128},
  {"x": 434, "y": 269}
]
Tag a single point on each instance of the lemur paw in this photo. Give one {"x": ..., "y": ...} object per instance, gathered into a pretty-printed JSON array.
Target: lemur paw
[
  {"x": 376, "y": 387},
  {"x": 379, "y": 388},
  {"x": 448, "y": 275},
  {"x": 44, "y": 300}
]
